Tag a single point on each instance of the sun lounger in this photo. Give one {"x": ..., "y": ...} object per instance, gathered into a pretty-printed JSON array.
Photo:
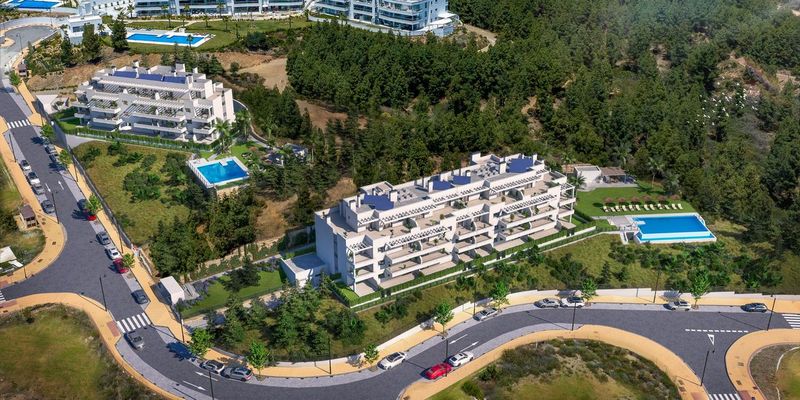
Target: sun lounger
[
  {"x": 637, "y": 208},
  {"x": 605, "y": 209},
  {"x": 659, "y": 206},
  {"x": 648, "y": 207},
  {"x": 680, "y": 206},
  {"x": 674, "y": 207}
]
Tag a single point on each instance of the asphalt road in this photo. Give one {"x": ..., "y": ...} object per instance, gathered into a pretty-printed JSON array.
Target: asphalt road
[{"x": 83, "y": 263}]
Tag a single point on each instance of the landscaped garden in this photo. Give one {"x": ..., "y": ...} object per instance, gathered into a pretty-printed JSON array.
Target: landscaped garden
[
  {"x": 26, "y": 245},
  {"x": 575, "y": 369},
  {"x": 591, "y": 203},
  {"x": 788, "y": 375},
  {"x": 217, "y": 291},
  {"x": 53, "y": 352}
]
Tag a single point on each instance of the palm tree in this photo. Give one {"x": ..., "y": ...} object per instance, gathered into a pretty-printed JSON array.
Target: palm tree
[
  {"x": 205, "y": 18},
  {"x": 621, "y": 153},
  {"x": 577, "y": 180},
  {"x": 220, "y": 7},
  {"x": 185, "y": 13},
  {"x": 225, "y": 19},
  {"x": 131, "y": 9},
  {"x": 656, "y": 166},
  {"x": 241, "y": 126},
  {"x": 224, "y": 129},
  {"x": 164, "y": 9},
  {"x": 671, "y": 183}
]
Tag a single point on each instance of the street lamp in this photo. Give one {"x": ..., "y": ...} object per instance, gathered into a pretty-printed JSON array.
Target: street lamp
[
  {"x": 103, "y": 291},
  {"x": 771, "y": 311},
  {"x": 655, "y": 293},
  {"x": 330, "y": 356},
  {"x": 703, "y": 376},
  {"x": 574, "y": 310},
  {"x": 211, "y": 383}
]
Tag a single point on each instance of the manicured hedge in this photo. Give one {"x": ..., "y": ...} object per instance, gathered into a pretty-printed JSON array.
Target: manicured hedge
[{"x": 138, "y": 139}]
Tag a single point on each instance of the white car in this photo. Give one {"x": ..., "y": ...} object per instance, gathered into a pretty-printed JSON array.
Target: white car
[
  {"x": 25, "y": 165},
  {"x": 112, "y": 252},
  {"x": 460, "y": 359},
  {"x": 572, "y": 302},
  {"x": 393, "y": 360},
  {"x": 679, "y": 305},
  {"x": 486, "y": 313},
  {"x": 33, "y": 178}
]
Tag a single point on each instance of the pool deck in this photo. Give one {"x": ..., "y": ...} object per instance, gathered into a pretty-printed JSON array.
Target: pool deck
[
  {"x": 168, "y": 34},
  {"x": 627, "y": 223},
  {"x": 198, "y": 163}
]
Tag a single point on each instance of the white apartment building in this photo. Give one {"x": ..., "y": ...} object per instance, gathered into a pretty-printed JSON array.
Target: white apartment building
[
  {"x": 163, "y": 101},
  {"x": 411, "y": 17},
  {"x": 389, "y": 234},
  {"x": 215, "y": 7}
]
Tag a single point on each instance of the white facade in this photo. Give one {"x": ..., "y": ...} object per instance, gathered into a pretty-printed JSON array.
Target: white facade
[
  {"x": 408, "y": 16},
  {"x": 389, "y": 234},
  {"x": 163, "y": 101},
  {"x": 76, "y": 24},
  {"x": 214, "y": 7},
  {"x": 105, "y": 7}
]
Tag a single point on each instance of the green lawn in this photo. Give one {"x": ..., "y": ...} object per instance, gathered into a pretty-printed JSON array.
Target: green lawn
[
  {"x": 580, "y": 387},
  {"x": 143, "y": 216},
  {"x": 789, "y": 376},
  {"x": 591, "y": 203},
  {"x": 59, "y": 356},
  {"x": 25, "y": 245},
  {"x": 217, "y": 294}
]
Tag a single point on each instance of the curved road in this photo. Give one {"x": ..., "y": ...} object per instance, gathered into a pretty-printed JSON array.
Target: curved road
[{"x": 83, "y": 265}]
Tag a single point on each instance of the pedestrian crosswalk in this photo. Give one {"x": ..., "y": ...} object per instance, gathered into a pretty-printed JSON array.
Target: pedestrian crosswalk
[
  {"x": 793, "y": 320},
  {"x": 19, "y": 124},
  {"x": 724, "y": 396},
  {"x": 2, "y": 298},
  {"x": 132, "y": 323}
]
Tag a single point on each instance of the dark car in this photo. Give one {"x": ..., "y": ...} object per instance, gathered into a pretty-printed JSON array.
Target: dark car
[
  {"x": 135, "y": 339},
  {"x": 102, "y": 238},
  {"x": 83, "y": 205},
  {"x": 213, "y": 366},
  {"x": 140, "y": 296},
  {"x": 51, "y": 149},
  {"x": 241, "y": 373},
  {"x": 755, "y": 307},
  {"x": 437, "y": 371},
  {"x": 48, "y": 207},
  {"x": 54, "y": 159}
]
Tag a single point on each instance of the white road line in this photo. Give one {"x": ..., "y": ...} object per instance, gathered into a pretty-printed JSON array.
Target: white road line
[
  {"x": 124, "y": 325},
  {"x": 716, "y": 330},
  {"x": 134, "y": 322},
  {"x": 119, "y": 325},
  {"x": 2, "y": 298},
  {"x": 141, "y": 321},
  {"x": 146, "y": 319}
]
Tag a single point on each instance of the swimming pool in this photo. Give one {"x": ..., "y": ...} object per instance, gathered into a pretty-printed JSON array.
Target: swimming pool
[
  {"x": 672, "y": 229},
  {"x": 219, "y": 172},
  {"x": 167, "y": 38},
  {"x": 33, "y": 4}
]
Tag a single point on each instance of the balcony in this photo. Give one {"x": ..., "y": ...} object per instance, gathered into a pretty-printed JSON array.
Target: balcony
[
  {"x": 474, "y": 243},
  {"x": 404, "y": 10},
  {"x": 408, "y": 253},
  {"x": 203, "y": 131},
  {"x": 158, "y": 128},
  {"x": 519, "y": 219},
  {"x": 106, "y": 121},
  {"x": 399, "y": 20},
  {"x": 480, "y": 227},
  {"x": 524, "y": 230},
  {"x": 424, "y": 262}
]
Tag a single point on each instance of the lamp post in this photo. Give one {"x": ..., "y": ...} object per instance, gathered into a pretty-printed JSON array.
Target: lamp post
[
  {"x": 103, "y": 291},
  {"x": 771, "y": 311},
  {"x": 574, "y": 310},
  {"x": 211, "y": 384},
  {"x": 703, "y": 375},
  {"x": 180, "y": 318},
  {"x": 658, "y": 278},
  {"x": 330, "y": 356}
]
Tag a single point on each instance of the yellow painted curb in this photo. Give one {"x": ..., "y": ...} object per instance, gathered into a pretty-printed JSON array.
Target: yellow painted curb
[
  {"x": 106, "y": 327},
  {"x": 739, "y": 355},
  {"x": 677, "y": 370}
]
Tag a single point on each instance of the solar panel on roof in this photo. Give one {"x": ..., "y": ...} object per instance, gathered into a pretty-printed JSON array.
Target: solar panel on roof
[
  {"x": 518, "y": 165},
  {"x": 461, "y": 179},
  {"x": 441, "y": 185},
  {"x": 125, "y": 74},
  {"x": 175, "y": 79},
  {"x": 151, "y": 77},
  {"x": 380, "y": 203}
]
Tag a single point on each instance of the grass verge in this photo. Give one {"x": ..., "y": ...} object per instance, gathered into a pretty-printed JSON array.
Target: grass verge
[
  {"x": 217, "y": 295},
  {"x": 591, "y": 203}
]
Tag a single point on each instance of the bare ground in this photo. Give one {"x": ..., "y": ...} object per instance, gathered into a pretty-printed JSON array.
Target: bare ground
[
  {"x": 245, "y": 60},
  {"x": 763, "y": 368},
  {"x": 273, "y": 72},
  {"x": 271, "y": 222},
  {"x": 72, "y": 77},
  {"x": 319, "y": 114},
  {"x": 491, "y": 37},
  {"x": 344, "y": 188}
]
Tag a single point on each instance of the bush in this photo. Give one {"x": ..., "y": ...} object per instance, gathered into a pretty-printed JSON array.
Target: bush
[{"x": 472, "y": 389}]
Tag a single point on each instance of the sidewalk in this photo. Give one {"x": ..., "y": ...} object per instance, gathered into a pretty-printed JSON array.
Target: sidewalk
[
  {"x": 739, "y": 355},
  {"x": 687, "y": 382},
  {"x": 53, "y": 233}
]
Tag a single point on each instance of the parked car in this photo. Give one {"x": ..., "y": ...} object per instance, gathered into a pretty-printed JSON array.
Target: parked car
[
  {"x": 393, "y": 360},
  {"x": 51, "y": 149},
  {"x": 437, "y": 371},
  {"x": 112, "y": 252},
  {"x": 135, "y": 339},
  {"x": 83, "y": 205},
  {"x": 140, "y": 296},
  {"x": 38, "y": 189},
  {"x": 119, "y": 266},
  {"x": 48, "y": 207},
  {"x": 755, "y": 307},
  {"x": 679, "y": 305},
  {"x": 102, "y": 238},
  {"x": 33, "y": 178},
  {"x": 572, "y": 302},
  {"x": 25, "y": 165},
  {"x": 547, "y": 303},
  {"x": 213, "y": 366},
  {"x": 54, "y": 159},
  {"x": 241, "y": 373},
  {"x": 460, "y": 359},
  {"x": 486, "y": 313}
]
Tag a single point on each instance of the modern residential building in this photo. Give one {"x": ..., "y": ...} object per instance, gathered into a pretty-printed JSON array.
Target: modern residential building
[
  {"x": 410, "y": 17},
  {"x": 164, "y": 101},
  {"x": 215, "y": 7},
  {"x": 111, "y": 8},
  {"x": 389, "y": 234}
]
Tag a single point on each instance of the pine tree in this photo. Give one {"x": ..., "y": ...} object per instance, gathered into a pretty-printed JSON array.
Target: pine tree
[
  {"x": 91, "y": 44},
  {"x": 67, "y": 52},
  {"x": 119, "y": 36}
]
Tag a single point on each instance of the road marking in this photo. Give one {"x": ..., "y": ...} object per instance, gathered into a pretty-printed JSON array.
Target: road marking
[
  {"x": 716, "y": 330},
  {"x": 793, "y": 320},
  {"x": 725, "y": 396},
  {"x": 2, "y": 298},
  {"x": 133, "y": 322},
  {"x": 192, "y": 384},
  {"x": 457, "y": 339},
  {"x": 204, "y": 375},
  {"x": 471, "y": 345},
  {"x": 19, "y": 124}
]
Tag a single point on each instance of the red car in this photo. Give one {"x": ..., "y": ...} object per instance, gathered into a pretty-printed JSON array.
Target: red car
[
  {"x": 119, "y": 266},
  {"x": 438, "y": 370}
]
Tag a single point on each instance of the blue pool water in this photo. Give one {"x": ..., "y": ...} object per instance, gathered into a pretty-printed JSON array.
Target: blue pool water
[
  {"x": 672, "y": 228},
  {"x": 216, "y": 172},
  {"x": 34, "y": 5},
  {"x": 152, "y": 38}
]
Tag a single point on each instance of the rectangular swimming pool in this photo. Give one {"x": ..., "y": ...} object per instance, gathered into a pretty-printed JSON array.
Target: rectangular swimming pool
[
  {"x": 34, "y": 5},
  {"x": 218, "y": 173},
  {"x": 672, "y": 229},
  {"x": 180, "y": 39}
]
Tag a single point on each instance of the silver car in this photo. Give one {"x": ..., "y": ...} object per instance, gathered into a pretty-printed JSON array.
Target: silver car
[
  {"x": 486, "y": 313},
  {"x": 213, "y": 366},
  {"x": 547, "y": 303},
  {"x": 241, "y": 373},
  {"x": 679, "y": 305},
  {"x": 135, "y": 339},
  {"x": 393, "y": 360}
]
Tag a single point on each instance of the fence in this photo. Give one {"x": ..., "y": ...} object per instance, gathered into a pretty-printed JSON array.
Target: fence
[{"x": 140, "y": 139}]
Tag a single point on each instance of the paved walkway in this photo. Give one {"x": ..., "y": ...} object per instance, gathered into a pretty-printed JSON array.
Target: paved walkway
[{"x": 738, "y": 357}]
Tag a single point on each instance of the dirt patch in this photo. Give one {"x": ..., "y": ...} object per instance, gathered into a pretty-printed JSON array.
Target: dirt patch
[
  {"x": 320, "y": 115},
  {"x": 70, "y": 78},
  {"x": 273, "y": 72},
  {"x": 271, "y": 222},
  {"x": 763, "y": 368},
  {"x": 490, "y": 38},
  {"x": 245, "y": 60},
  {"x": 344, "y": 188},
  {"x": 662, "y": 63}
]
